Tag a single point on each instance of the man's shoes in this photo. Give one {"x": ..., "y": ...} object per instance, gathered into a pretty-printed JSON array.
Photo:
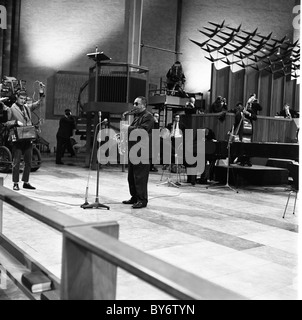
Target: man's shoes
[
  {"x": 130, "y": 201},
  {"x": 59, "y": 162},
  {"x": 16, "y": 187},
  {"x": 139, "y": 205},
  {"x": 28, "y": 186}
]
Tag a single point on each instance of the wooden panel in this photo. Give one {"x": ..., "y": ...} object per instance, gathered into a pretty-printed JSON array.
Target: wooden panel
[
  {"x": 222, "y": 84},
  {"x": 63, "y": 89},
  {"x": 85, "y": 276},
  {"x": 251, "y": 84},
  {"x": 290, "y": 93},
  {"x": 271, "y": 91},
  {"x": 236, "y": 93},
  {"x": 264, "y": 94},
  {"x": 297, "y": 97},
  {"x": 66, "y": 91},
  {"x": 277, "y": 95},
  {"x": 266, "y": 129}
]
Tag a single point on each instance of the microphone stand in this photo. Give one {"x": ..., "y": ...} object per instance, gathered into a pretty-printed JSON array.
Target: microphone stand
[{"x": 96, "y": 204}]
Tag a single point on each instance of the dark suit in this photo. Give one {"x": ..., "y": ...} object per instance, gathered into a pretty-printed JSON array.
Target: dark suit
[
  {"x": 22, "y": 147},
  {"x": 66, "y": 127},
  {"x": 138, "y": 174}
]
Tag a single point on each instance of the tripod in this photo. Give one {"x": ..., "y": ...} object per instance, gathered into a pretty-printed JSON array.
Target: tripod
[{"x": 96, "y": 204}]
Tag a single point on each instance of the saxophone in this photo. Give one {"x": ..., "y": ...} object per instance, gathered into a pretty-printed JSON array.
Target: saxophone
[{"x": 122, "y": 137}]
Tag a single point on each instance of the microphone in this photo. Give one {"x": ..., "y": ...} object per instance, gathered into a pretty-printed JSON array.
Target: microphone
[
  {"x": 128, "y": 112},
  {"x": 41, "y": 89}
]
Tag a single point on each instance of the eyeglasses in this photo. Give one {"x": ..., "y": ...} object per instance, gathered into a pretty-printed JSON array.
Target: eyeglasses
[{"x": 135, "y": 103}]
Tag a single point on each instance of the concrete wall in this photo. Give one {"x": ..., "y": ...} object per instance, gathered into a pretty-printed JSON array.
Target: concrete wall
[
  {"x": 57, "y": 35},
  {"x": 159, "y": 31}
]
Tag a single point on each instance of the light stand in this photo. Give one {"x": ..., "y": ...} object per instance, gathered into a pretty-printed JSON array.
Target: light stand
[{"x": 96, "y": 204}]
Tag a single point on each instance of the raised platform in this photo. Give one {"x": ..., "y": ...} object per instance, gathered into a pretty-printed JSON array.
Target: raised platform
[{"x": 255, "y": 175}]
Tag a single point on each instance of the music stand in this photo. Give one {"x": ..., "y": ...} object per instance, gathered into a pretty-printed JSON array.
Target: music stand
[
  {"x": 227, "y": 185},
  {"x": 97, "y": 57},
  {"x": 168, "y": 181}
]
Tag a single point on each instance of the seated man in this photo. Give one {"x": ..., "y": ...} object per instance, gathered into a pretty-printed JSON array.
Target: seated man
[
  {"x": 220, "y": 107},
  {"x": 287, "y": 112},
  {"x": 190, "y": 106}
]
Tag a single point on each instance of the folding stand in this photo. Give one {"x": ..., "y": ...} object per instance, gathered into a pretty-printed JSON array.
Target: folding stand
[
  {"x": 168, "y": 181},
  {"x": 228, "y": 168}
]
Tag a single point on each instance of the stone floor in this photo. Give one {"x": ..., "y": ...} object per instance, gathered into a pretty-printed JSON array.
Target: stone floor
[{"x": 237, "y": 240}]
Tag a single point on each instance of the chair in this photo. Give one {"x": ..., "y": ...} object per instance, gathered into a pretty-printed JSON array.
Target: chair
[{"x": 294, "y": 173}]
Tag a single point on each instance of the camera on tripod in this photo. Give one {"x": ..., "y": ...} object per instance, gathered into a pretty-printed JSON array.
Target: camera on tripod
[{"x": 9, "y": 87}]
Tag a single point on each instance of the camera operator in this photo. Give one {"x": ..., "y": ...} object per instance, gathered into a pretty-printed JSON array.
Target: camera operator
[
  {"x": 66, "y": 131},
  {"x": 3, "y": 110}
]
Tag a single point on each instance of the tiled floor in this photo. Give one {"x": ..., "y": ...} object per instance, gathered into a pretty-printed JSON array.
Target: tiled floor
[{"x": 237, "y": 240}]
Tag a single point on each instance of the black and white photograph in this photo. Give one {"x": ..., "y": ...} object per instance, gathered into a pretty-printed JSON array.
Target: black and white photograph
[{"x": 149, "y": 153}]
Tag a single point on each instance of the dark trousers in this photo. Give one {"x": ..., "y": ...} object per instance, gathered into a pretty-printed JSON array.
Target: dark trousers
[
  {"x": 20, "y": 148},
  {"x": 62, "y": 145},
  {"x": 138, "y": 176}
]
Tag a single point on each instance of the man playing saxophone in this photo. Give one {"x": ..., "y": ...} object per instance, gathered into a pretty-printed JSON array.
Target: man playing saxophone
[{"x": 139, "y": 162}]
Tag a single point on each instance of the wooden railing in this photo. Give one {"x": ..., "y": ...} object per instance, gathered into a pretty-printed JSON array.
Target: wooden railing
[{"x": 90, "y": 258}]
